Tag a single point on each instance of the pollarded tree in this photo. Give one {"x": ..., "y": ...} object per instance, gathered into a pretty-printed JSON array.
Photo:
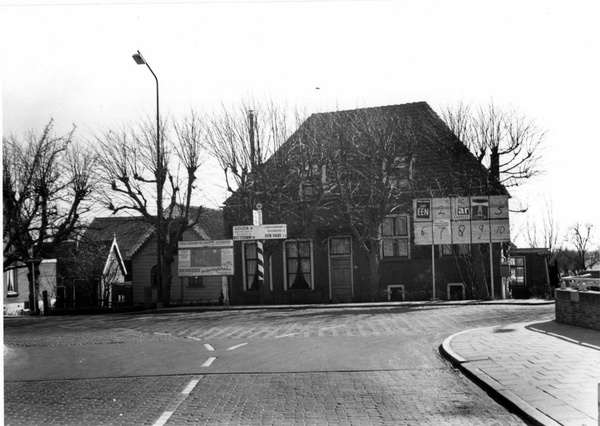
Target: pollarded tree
[
  {"x": 130, "y": 172},
  {"x": 48, "y": 184},
  {"x": 504, "y": 140}
]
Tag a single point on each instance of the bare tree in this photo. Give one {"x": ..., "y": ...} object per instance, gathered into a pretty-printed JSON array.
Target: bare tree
[
  {"x": 128, "y": 161},
  {"x": 48, "y": 183},
  {"x": 581, "y": 237},
  {"x": 504, "y": 140},
  {"x": 369, "y": 156},
  {"x": 545, "y": 232}
]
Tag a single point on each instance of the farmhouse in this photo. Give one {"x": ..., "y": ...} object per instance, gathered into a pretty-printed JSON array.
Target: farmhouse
[{"x": 346, "y": 185}]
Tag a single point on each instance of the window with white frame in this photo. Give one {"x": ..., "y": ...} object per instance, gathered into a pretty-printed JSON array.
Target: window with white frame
[
  {"x": 395, "y": 292},
  {"x": 395, "y": 236},
  {"x": 10, "y": 280},
  {"x": 298, "y": 264},
  {"x": 517, "y": 270}
]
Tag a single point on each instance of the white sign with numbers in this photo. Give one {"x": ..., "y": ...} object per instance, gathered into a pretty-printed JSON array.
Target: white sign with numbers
[
  {"x": 423, "y": 233},
  {"x": 480, "y": 231},
  {"x": 461, "y": 220},
  {"x": 498, "y": 207},
  {"x": 441, "y": 209},
  {"x": 461, "y": 232},
  {"x": 499, "y": 231},
  {"x": 442, "y": 232}
]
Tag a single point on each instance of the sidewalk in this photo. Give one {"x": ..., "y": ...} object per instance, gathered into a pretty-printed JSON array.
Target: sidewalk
[{"x": 549, "y": 372}]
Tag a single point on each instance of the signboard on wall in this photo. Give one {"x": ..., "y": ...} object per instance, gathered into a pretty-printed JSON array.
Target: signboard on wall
[
  {"x": 205, "y": 258},
  {"x": 461, "y": 220}
]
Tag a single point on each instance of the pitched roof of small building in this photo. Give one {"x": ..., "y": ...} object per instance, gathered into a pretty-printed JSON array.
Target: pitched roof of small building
[{"x": 132, "y": 232}]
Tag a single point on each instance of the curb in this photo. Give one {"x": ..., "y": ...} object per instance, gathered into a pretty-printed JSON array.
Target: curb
[{"x": 497, "y": 391}]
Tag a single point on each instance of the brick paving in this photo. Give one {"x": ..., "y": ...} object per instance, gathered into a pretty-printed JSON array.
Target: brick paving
[
  {"x": 332, "y": 398},
  {"x": 337, "y": 398},
  {"x": 438, "y": 395},
  {"x": 550, "y": 371}
]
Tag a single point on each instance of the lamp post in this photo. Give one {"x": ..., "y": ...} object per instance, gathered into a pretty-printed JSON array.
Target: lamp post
[{"x": 139, "y": 59}]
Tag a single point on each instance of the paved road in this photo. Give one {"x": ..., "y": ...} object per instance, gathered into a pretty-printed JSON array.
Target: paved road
[{"x": 285, "y": 366}]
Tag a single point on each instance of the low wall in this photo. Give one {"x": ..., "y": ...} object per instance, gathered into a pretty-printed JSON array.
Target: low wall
[{"x": 580, "y": 308}]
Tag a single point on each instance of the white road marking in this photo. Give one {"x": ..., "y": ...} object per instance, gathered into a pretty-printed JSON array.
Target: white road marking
[
  {"x": 194, "y": 338},
  {"x": 286, "y": 335},
  {"x": 164, "y": 418},
  {"x": 162, "y": 334},
  {"x": 190, "y": 387},
  {"x": 208, "y": 347},
  {"x": 334, "y": 326},
  {"x": 236, "y": 346},
  {"x": 209, "y": 361}
]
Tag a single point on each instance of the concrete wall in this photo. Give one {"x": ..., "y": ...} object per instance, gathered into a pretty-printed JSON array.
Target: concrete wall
[{"x": 580, "y": 308}]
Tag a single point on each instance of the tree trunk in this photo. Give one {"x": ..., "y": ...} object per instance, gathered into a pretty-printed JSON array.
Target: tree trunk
[
  {"x": 167, "y": 277},
  {"x": 479, "y": 272},
  {"x": 374, "y": 290}
]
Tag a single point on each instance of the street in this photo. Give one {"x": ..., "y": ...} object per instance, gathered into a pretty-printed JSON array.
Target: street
[{"x": 347, "y": 365}]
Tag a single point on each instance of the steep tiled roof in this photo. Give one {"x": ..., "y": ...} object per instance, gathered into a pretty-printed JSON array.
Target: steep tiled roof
[
  {"x": 442, "y": 161},
  {"x": 133, "y": 231}
]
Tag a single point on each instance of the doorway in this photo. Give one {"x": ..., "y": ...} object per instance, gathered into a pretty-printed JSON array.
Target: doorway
[{"x": 340, "y": 269}]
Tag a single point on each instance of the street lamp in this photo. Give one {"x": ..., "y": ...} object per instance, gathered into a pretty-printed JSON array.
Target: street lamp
[{"x": 139, "y": 59}]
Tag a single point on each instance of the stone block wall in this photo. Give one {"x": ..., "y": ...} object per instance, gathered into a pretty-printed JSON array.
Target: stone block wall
[{"x": 580, "y": 308}]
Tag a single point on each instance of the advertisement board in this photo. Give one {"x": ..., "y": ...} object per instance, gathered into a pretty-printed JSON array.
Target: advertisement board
[
  {"x": 205, "y": 258},
  {"x": 461, "y": 220}
]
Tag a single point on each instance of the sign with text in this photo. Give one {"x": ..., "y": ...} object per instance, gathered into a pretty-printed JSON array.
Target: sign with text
[
  {"x": 260, "y": 232},
  {"x": 461, "y": 208},
  {"x": 205, "y": 258},
  {"x": 461, "y": 220},
  {"x": 422, "y": 208},
  {"x": 480, "y": 207}
]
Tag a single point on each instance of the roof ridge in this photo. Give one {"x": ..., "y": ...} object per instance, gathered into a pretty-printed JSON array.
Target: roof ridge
[{"x": 390, "y": 106}]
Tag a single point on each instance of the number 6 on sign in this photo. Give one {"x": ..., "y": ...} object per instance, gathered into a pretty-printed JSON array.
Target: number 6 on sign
[{"x": 423, "y": 233}]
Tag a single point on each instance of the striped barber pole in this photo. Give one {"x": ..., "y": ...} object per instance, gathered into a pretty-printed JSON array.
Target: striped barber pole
[{"x": 260, "y": 263}]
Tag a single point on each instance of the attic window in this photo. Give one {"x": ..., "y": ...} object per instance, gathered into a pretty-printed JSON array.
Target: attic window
[
  {"x": 308, "y": 191},
  {"x": 401, "y": 171}
]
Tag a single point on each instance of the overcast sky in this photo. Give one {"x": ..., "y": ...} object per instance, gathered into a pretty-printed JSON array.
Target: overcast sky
[{"x": 73, "y": 62}]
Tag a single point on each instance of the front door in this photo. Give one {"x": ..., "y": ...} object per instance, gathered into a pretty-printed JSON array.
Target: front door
[{"x": 340, "y": 269}]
